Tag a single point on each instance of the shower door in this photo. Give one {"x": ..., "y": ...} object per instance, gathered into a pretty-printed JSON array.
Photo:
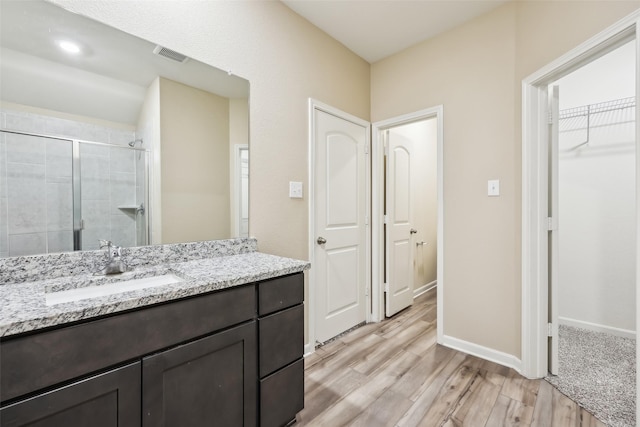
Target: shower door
[
  {"x": 36, "y": 194},
  {"x": 59, "y": 194}
]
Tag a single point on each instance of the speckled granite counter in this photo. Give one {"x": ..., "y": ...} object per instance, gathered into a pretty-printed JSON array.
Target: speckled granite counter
[{"x": 24, "y": 306}]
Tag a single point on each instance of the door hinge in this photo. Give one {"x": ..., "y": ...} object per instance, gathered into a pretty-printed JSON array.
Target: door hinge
[
  {"x": 550, "y": 224},
  {"x": 549, "y": 329},
  {"x": 366, "y": 291},
  {"x": 366, "y": 220},
  {"x": 385, "y": 219},
  {"x": 386, "y": 287},
  {"x": 366, "y": 148}
]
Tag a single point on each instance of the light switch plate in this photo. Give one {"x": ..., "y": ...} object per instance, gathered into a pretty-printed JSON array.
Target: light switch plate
[
  {"x": 493, "y": 187},
  {"x": 295, "y": 190}
]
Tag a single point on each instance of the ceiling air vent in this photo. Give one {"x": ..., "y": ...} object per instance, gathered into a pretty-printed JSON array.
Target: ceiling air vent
[{"x": 171, "y": 54}]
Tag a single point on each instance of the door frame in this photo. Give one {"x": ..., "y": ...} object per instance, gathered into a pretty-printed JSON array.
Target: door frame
[
  {"x": 535, "y": 169},
  {"x": 313, "y": 106},
  {"x": 377, "y": 214},
  {"x": 236, "y": 186}
]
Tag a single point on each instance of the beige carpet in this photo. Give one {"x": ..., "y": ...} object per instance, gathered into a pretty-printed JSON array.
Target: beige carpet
[{"x": 598, "y": 371}]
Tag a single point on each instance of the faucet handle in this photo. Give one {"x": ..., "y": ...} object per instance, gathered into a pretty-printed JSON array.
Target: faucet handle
[
  {"x": 113, "y": 251},
  {"x": 105, "y": 243}
]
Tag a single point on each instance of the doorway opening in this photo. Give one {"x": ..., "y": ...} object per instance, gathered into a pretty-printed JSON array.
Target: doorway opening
[
  {"x": 592, "y": 244},
  {"x": 541, "y": 239},
  {"x": 407, "y": 211}
]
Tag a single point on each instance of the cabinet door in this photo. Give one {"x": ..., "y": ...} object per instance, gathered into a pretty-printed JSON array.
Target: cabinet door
[
  {"x": 111, "y": 399},
  {"x": 211, "y": 381}
]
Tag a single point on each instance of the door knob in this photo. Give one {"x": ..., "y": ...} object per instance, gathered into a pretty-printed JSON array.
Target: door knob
[
  {"x": 321, "y": 240},
  {"x": 413, "y": 231}
]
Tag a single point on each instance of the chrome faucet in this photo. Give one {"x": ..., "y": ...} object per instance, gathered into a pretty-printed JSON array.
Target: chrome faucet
[{"x": 115, "y": 263}]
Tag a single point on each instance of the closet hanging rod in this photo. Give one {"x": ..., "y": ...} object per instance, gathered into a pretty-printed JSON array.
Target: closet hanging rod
[{"x": 601, "y": 107}]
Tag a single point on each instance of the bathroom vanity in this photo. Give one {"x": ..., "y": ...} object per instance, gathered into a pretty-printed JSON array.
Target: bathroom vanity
[{"x": 224, "y": 350}]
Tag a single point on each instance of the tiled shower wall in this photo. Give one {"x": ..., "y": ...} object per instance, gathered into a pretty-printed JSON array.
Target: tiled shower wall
[{"x": 36, "y": 203}]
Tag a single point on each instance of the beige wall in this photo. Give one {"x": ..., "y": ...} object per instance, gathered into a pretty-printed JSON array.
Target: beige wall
[
  {"x": 194, "y": 131},
  {"x": 475, "y": 71}
]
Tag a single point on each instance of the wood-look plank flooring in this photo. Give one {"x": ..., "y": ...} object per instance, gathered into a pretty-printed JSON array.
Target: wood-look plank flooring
[{"x": 394, "y": 374}]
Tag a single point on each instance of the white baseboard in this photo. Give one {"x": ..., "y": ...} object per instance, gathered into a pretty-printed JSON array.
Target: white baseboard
[
  {"x": 424, "y": 289},
  {"x": 482, "y": 352},
  {"x": 595, "y": 327},
  {"x": 309, "y": 349}
]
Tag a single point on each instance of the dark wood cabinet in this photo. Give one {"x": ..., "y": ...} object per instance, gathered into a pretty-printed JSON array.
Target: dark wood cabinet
[
  {"x": 195, "y": 384},
  {"x": 281, "y": 339},
  {"x": 111, "y": 399},
  {"x": 35, "y": 361},
  {"x": 282, "y": 395},
  {"x": 227, "y": 358},
  {"x": 281, "y": 347}
]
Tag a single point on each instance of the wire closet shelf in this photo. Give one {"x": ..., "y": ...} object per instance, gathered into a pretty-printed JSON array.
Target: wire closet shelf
[
  {"x": 587, "y": 117},
  {"x": 601, "y": 115},
  {"x": 602, "y": 107}
]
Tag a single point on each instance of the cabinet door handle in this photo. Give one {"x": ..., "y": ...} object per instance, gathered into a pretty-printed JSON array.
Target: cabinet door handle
[
  {"x": 321, "y": 240},
  {"x": 413, "y": 231}
]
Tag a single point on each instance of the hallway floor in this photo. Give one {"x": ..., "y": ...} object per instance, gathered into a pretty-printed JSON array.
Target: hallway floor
[{"x": 394, "y": 374}]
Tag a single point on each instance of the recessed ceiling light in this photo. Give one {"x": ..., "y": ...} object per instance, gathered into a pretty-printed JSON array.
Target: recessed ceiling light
[{"x": 69, "y": 47}]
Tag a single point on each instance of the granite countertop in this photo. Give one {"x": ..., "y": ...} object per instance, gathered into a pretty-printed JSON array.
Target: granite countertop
[{"x": 24, "y": 306}]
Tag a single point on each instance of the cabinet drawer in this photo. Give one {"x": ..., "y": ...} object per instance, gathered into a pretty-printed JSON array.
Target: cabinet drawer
[
  {"x": 44, "y": 359},
  {"x": 282, "y": 395},
  {"x": 281, "y": 339},
  {"x": 111, "y": 399},
  {"x": 280, "y": 293}
]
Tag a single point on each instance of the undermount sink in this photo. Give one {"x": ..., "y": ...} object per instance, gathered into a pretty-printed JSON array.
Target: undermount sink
[{"x": 105, "y": 287}]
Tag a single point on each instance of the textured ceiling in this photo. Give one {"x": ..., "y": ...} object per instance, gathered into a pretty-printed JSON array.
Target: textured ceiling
[{"x": 375, "y": 29}]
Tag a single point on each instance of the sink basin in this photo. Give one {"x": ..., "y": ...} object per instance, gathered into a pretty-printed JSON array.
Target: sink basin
[{"x": 99, "y": 289}]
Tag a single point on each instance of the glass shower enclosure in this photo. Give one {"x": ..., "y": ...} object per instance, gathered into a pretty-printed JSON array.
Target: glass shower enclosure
[{"x": 60, "y": 194}]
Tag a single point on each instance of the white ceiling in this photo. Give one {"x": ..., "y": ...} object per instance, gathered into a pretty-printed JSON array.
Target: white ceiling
[
  {"x": 107, "y": 80},
  {"x": 375, "y": 29}
]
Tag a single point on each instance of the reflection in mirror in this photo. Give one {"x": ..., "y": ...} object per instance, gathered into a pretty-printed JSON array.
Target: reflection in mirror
[{"x": 107, "y": 136}]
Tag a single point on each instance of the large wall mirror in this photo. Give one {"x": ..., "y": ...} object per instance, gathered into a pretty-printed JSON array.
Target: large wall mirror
[{"x": 107, "y": 136}]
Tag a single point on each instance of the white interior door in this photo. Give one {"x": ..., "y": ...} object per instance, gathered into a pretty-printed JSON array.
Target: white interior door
[
  {"x": 554, "y": 137},
  {"x": 340, "y": 209},
  {"x": 399, "y": 231}
]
